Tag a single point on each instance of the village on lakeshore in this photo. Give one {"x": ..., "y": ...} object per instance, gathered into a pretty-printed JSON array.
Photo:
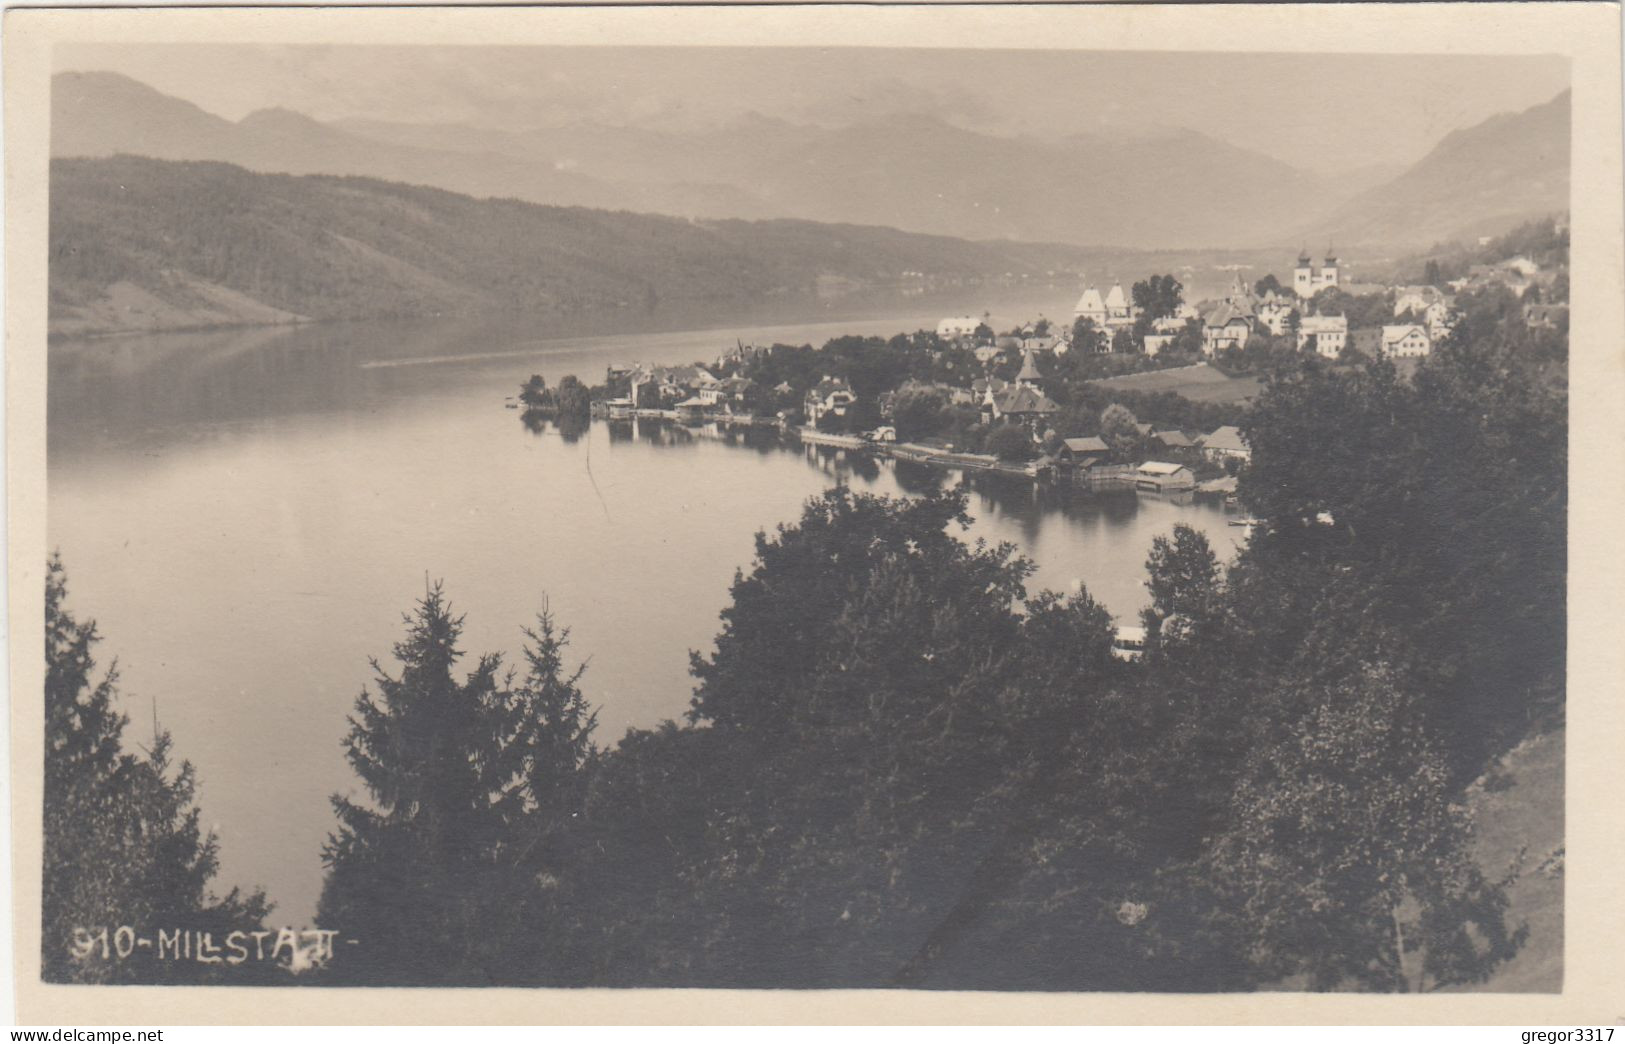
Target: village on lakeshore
[{"x": 1141, "y": 391}]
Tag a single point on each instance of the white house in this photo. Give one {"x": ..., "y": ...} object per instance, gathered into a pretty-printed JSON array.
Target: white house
[
  {"x": 1156, "y": 342},
  {"x": 1415, "y": 299},
  {"x": 1118, "y": 310},
  {"x": 958, "y": 326},
  {"x": 1308, "y": 281},
  {"x": 1406, "y": 340},
  {"x": 1325, "y": 334},
  {"x": 1227, "y": 326},
  {"x": 1091, "y": 306},
  {"x": 1225, "y": 443},
  {"x": 729, "y": 391},
  {"x": 1440, "y": 318},
  {"x": 671, "y": 382},
  {"x": 830, "y": 395},
  {"x": 1275, "y": 313}
]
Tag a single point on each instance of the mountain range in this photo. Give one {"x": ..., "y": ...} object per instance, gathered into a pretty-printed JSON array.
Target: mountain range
[
  {"x": 164, "y": 215},
  {"x": 1156, "y": 188}
]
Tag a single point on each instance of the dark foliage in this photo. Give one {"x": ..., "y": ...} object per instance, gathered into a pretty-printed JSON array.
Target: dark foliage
[{"x": 123, "y": 843}]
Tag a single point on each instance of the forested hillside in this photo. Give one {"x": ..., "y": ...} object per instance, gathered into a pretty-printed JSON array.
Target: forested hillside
[
  {"x": 141, "y": 243},
  {"x": 1482, "y": 180}
]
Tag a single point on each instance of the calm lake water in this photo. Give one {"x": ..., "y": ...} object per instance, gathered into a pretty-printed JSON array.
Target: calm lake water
[{"x": 247, "y": 515}]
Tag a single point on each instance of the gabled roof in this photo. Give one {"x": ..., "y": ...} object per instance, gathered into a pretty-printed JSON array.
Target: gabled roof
[
  {"x": 1160, "y": 467},
  {"x": 1087, "y": 444},
  {"x": 1227, "y": 437},
  {"x": 693, "y": 376},
  {"x": 1115, "y": 298},
  {"x": 1090, "y": 302},
  {"x": 827, "y": 387},
  {"x": 1173, "y": 438},
  {"x": 1395, "y": 334},
  {"x": 1023, "y": 398},
  {"x": 1227, "y": 314},
  {"x": 1029, "y": 370}
]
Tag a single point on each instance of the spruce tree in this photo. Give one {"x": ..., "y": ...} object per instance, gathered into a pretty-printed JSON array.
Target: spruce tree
[
  {"x": 122, "y": 841},
  {"x": 445, "y": 876}
]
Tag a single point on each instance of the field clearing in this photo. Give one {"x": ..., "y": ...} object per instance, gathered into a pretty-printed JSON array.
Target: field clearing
[{"x": 1199, "y": 383}]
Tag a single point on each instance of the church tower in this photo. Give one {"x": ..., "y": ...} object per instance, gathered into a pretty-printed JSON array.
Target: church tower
[
  {"x": 1303, "y": 276},
  {"x": 1029, "y": 374}
]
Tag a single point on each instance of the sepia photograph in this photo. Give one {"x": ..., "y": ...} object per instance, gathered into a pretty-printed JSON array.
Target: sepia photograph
[{"x": 763, "y": 515}]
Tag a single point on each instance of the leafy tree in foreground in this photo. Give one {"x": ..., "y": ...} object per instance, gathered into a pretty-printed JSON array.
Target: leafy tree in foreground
[
  {"x": 1184, "y": 583},
  {"x": 123, "y": 845},
  {"x": 1349, "y": 860},
  {"x": 860, "y": 731}
]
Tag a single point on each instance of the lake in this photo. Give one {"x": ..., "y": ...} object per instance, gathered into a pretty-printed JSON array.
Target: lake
[{"x": 247, "y": 514}]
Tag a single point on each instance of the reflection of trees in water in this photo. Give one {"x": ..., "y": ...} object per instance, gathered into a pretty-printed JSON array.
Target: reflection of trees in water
[
  {"x": 1012, "y": 498},
  {"x": 762, "y": 440},
  {"x": 919, "y": 479},
  {"x": 842, "y": 464},
  {"x": 621, "y": 430},
  {"x": 863, "y": 466},
  {"x": 661, "y": 433},
  {"x": 571, "y": 427}
]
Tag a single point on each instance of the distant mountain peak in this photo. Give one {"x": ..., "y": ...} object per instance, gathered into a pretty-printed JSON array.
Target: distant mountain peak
[{"x": 277, "y": 116}]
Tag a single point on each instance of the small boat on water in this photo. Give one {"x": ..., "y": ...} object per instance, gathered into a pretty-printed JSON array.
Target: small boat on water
[{"x": 1246, "y": 520}]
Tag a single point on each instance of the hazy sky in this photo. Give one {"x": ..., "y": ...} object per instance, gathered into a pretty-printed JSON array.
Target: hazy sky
[{"x": 1322, "y": 112}]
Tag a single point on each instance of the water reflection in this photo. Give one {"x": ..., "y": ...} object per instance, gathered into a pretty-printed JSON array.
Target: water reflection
[{"x": 247, "y": 514}]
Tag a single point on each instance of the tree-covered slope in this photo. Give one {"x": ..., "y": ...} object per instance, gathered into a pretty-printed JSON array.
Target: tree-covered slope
[
  {"x": 150, "y": 243},
  {"x": 1482, "y": 180}
]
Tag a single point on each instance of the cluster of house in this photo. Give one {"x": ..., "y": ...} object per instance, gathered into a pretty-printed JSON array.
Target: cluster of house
[
  {"x": 1423, "y": 314},
  {"x": 1083, "y": 455},
  {"x": 1518, "y": 274},
  {"x": 1220, "y": 445},
  {"x": 1428, "y": 315}
]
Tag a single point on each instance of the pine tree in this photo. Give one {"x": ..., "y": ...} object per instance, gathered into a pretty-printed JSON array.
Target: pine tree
[
  {"x": 123, "y": 844},
  {"x": 444, "y": 876}
]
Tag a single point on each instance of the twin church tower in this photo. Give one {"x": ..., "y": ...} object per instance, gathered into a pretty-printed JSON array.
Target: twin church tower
[{"x": 1307, "y": 281}]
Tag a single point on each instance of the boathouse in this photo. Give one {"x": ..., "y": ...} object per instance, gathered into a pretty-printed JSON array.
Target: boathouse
[
  {"x": 1087, "y": 450},
  {"x": 1159, "y": 476}
]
